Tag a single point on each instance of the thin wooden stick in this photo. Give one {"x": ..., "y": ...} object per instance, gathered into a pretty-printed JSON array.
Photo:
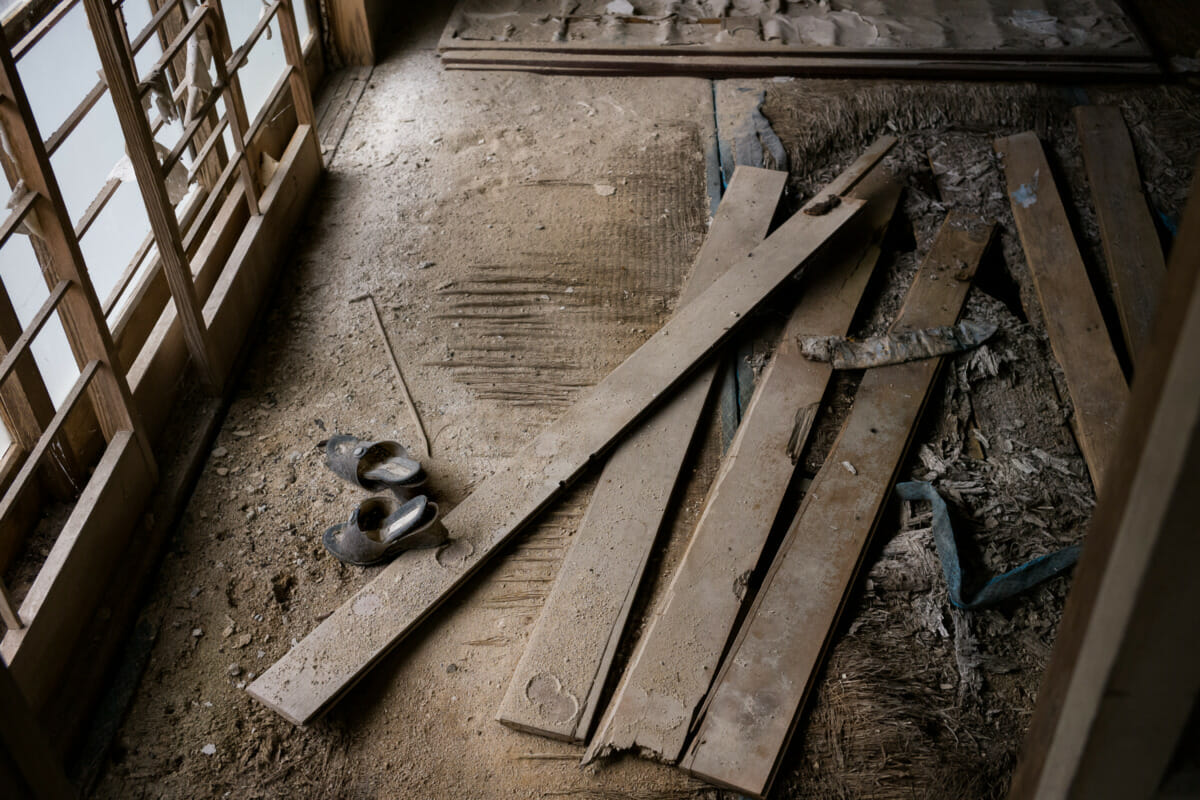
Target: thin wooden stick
[{"x": 387, "y": 343}]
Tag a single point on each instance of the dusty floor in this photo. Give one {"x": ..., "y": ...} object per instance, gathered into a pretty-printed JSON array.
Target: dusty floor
[{"x": 466, "y": 203}]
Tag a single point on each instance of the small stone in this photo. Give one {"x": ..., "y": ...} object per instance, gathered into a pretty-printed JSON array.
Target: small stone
[
  {"x": 425, "y": 265},
  {"x": 234, "y": 670},
  {"x": 539, "y": 227},
  {"x": 242, "y": 641},
  {"x": 604, "y": 189},
  {"x": 222, "y": 471},
  {"x": 229, "y": 631},
  {"x": 452, "y": 668},
  {"x": 219, "y": 452},
  {"x": 849, "y": 468},
  {"x": 242, "y": 434},
  {"x": 197, "y": 632},
  {"x": 209, "y": 749}
]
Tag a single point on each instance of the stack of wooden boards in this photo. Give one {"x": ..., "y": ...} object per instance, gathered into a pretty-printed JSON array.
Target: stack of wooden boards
[
  {"x": 967, "y": 39},
  {"x": 720, "y": 678}
]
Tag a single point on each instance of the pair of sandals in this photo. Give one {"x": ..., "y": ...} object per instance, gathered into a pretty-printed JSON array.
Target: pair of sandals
[{"x": 383, "y": 526}]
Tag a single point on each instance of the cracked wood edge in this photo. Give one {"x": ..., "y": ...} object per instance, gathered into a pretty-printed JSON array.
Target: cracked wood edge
[
  {"x": 767, "y": 678},
  {"x": 673, "y": 666}
]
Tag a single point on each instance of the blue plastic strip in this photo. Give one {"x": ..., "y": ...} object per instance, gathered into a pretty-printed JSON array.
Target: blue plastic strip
[{"x": 1000, "y": 588}]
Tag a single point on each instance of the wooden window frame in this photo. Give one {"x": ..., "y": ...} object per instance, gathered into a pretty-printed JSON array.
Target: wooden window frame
[{"x": 210, "y": 262}]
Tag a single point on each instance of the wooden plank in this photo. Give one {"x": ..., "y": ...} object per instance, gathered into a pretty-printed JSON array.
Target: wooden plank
[
  {"x": 571, "y": 648},
  {"x": 354, "y": 27},
  {"x": 1123, "y": 676},
  {"x": 771, "y": 669},
  {"x": 301, "y": 93},
  {"x": 256, "y": 246},
  {"x": 119, "y": 74},
  {"x": 141, "y": 313},
  {"x": 800, "y": 65},
  {"x": 678, "y": 655},
  {"x": 1077, "y": 333},
  {"x": 338, "y": 104},
  {"x": 61, "y": 599},
  {"x": 1134, "y": 48},
  {"x": 359, "y": 633},
  {"x": 235, "y": 109},
  {"x": 1131, "y": 248}
]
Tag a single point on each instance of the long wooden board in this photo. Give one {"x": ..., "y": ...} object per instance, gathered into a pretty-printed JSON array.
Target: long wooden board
[
  {"x": 802, "y": 65},
  {"x": 766, "y": 679},
  {"x": 62, "y": 598},
  {"x": 1123, "y": 676},
  {"x": 355, "y": 636},
  {"x": 556, "y": 687},
  {"x": 1131, "y": 248},
  {"x": 677, "y": 657},
  {"x": 1078, "y": 336}
]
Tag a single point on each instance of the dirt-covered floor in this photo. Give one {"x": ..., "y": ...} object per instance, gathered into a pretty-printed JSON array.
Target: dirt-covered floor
[{"x": 522, "y": 235}]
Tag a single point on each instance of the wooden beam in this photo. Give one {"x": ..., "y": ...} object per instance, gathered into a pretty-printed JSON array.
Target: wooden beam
[
  {"x": 1131, "y": 248},
  {"x": 724, "y": 66},
  {"x": 354, "y": 29},
  {"x": 1125, "y": 672},
  {"x": 1073, "y": 321},
  {"x": 335, "y": 655},
  {"x": 771, "y": 669},
  {"x": 209, "y": 126},
  {"x": 1133, "y": 50},
  {"x": 119, "y": 74},
  {"x": 571, "y": 648},
  {"x": 247, "y": 246},
  {"x": 677, "y": 656},
  {"x": 235, "y": 107},
  {"x": 302, "y": 97},
  {"x": 61, "y": 600}
]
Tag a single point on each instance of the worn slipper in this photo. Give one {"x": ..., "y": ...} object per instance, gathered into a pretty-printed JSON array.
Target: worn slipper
[
  {"x": 374, "y": 465},
  {"x": 382, "y": 527}
]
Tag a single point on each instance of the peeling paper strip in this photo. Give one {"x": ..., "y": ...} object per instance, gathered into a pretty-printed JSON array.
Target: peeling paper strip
[{"x": 895, "y": 348}]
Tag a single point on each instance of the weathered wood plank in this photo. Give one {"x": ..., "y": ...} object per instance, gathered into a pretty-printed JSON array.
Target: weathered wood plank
[
  {"x": 765, "y": 681},
  {"x": 359, "y": 633},
  {"x": 823, "y": 65},
  {"x": 1125, "y": 669},
  {"x": 571, "y": 648},
  {"x": 61, "y": 599},
  {"x": 1077, "y": 333},
  {"x": 1131, "y": 248},
  {"x": 677, "y": 657}
]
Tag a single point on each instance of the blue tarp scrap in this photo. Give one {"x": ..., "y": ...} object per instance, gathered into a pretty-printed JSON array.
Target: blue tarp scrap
[{"x": 1000, "y": 588}]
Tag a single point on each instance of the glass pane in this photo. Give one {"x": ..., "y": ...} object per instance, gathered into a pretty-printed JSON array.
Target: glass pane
[
  {"x": 112, "y": 241},
  {"x": 266, "y": 62},
  {"x": 86, "y": 157},
  {"x": 127, "y": 295},
  {"x": 60, "y": 70},
  {"x": 27, "y": 290},
  {"x": 300, "y": 10}
]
